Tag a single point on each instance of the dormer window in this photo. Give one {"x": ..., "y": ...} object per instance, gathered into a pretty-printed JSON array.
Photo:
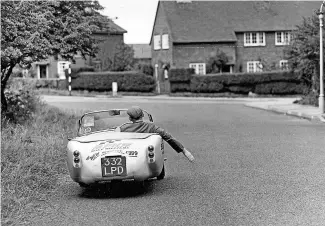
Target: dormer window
[
  {"x": 254, "y": 39},
  {"x": 282, "y": 38}
]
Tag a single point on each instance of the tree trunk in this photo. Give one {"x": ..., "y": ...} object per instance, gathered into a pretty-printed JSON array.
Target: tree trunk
[{"x": 4, "y": 79}]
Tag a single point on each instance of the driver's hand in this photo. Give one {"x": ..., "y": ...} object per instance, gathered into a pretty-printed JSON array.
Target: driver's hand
[
  {"x": 188, "y": 155},
  {"x": 117, "y": 129}
]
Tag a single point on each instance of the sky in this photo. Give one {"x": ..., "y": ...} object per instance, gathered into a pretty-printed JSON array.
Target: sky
[{"x": 135, "y": 16}]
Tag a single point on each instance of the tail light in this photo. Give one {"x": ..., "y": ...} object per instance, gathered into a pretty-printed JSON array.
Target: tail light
[
  {"x": 151, "y": 148},
  {"x": 76, "y": 159},
  {"x": 151, "y": 154}
]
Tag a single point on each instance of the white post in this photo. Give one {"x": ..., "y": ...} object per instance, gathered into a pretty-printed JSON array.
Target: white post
[
  {"x": 114, "y": 89},
  {"x": 69, "y": 72},
  {"x": 157, "y": 79},
  {"x": 321, "y": 62}
]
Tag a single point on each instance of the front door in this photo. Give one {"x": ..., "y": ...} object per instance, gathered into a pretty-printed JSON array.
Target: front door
[
  {"x": 42, "y": 71},
  {"x": 165, "y": 84}
]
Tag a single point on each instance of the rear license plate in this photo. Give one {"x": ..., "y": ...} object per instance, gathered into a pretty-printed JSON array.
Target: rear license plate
[{"x": 114, "y": 166}]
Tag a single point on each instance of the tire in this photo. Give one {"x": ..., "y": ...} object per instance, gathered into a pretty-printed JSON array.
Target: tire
[
  {"x": 83, "y": 185},
  {"x": 162, "y": 174}
]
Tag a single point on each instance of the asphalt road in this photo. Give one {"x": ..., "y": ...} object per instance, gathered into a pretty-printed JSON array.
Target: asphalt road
[{"x": 252, "y": 168}]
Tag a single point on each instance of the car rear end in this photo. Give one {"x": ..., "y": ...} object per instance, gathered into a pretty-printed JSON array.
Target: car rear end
[{"x": 112, "y": 159}]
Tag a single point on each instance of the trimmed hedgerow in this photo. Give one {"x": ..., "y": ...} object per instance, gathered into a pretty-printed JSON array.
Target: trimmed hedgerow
[
  {"x": 279, "y": 88},
  {"x": 102, "y": 81},
  {"x": 180, "y": 87},
  {"x": 283, "y": 82},
  {"x": 181, "y": 74}
]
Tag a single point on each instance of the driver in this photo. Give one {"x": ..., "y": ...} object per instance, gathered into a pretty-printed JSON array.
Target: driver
[{"x": 137, "y": 125}]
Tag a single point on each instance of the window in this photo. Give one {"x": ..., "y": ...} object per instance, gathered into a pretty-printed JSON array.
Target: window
[
  {"x": 62, "y": 65},
  {"x": 284, "y": 65},
  {"x": 199, "y": 68},
  {"x": 254, "y": 39},
  {"x": 156, "y": 42},
  {"x": 282, "y": 38},
  {"x": 165, "y": 43},
  {"x": 254, "y": 66}
]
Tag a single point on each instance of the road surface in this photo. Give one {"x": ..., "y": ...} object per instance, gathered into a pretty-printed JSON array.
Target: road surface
[{"x": 252, "y": 168}]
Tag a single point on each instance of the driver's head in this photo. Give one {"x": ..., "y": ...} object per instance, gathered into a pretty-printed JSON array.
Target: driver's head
[{"x": 135, "y": 113}]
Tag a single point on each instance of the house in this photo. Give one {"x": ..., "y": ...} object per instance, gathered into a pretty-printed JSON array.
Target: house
[
  {"x": 142, "y": 53},
  {"x": 110, "y": 36},
  {"x": 252, "y": 34}
]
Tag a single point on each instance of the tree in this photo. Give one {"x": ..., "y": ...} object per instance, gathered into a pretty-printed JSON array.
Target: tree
[
  {"x": 303, "y": 53},
  {"x": 216, "y": 62},
  {"x": 123, "y": 58},
  {"x": 34, "y": 30}
]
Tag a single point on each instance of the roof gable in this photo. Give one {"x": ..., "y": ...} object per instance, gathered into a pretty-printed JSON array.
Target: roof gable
[{"x": 217, "y": 21}]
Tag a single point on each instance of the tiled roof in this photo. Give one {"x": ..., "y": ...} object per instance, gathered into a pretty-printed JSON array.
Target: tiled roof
[
  {"x": 217, "y": 21},
  {"x": 108, "y": 26},
  {"x": 141, "y": 51}
]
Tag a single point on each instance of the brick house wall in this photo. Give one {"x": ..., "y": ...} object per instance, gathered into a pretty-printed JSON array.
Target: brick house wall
[
  {"x": 161, "y": 56},
  {"x": 269, "y": 53},
  {"x": 107, "y": 48},
  {"x": 184, "y": 54}
]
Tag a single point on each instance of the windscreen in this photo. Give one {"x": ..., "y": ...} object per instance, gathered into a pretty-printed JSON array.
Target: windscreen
[{"x": 104, "y": 121}]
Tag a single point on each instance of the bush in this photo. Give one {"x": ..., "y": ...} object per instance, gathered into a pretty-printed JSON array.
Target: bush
[
  {"x": 309, "y": 99},
  {"x": 146, "y": 69},
  {"x": 180, "y": 87},
  {"x": 276, "y": 82},
  {"x": 22, "y": 100},
  {"x": 102, "y": 81},
  {"x": 180, "y": 74},
  {"x": 241, "y": 89},
  {"x": 279, "y": 88}
]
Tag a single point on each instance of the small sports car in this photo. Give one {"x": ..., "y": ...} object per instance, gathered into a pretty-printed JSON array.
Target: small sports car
[{"x": 98, "y": 153}]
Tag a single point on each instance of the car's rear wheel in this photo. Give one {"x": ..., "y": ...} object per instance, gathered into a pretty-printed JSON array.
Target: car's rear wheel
[
  {"x": 162, "y": 174},
  {"x": 83, "y": 185}
]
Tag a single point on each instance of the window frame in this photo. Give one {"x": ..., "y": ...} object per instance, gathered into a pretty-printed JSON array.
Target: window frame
[
  {"x": 283, "y": 42},
  {"x": 197, "y": 68},
  {"x": 165, "y": 41},
  {"x": 62, "y": 76},
  {"x": 257, "y": 39},
  {"x": 157, "y": 42},
  {"x": 255, "y": 67},
  {"x": 286, "y": 63}
]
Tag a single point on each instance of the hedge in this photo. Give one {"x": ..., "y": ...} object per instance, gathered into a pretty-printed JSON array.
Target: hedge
[
  {"x": 274, "y": 82},
  {"x": 280, "y": 88},
  {"x": 181, "y": 74},
  {"x": 102, "y": 81},
  {"x": 54, "y": 83}
]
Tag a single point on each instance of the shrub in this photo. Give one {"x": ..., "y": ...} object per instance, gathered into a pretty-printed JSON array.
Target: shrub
[
  {"x": 279, "y": 88},
  {"x": 102, "y": 81},
  {"x": 180, "y": 87},
  {"x": 241, "y": 89},
  {"x": 22, "y": 100},
  {"x": 146, "y": 69},
  {"x": 276, "y": 82},
  {"x": 181, "y": 74},
  {"x": 309, "y": 99}
]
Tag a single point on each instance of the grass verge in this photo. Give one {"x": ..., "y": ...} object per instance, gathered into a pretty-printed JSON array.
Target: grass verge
[{"x": 32, "y": 158}]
